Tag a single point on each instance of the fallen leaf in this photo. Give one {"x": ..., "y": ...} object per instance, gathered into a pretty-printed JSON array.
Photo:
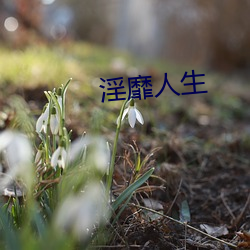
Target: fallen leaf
[
  {"x": 245, "y": 236},
  {"x": 152, "y": 204},
  {"x": 215, "y": 231},
  {"x": 185, "y": 212}
]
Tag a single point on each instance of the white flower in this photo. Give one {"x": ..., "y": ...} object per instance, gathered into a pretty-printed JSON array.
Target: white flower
[
  {"x": 17, "y": 152},
  {"x": 54, "y": 121},
  {"x": 39, "y": 154},
  {"x": 133, "y": 114},
  {"x": 98, "y": 152},
  {"x": 42, "y": 122},
  {"x": 59, "y": 157},
  {"x": 79, "y": 214},
  {"x": 59, "y": 99}
]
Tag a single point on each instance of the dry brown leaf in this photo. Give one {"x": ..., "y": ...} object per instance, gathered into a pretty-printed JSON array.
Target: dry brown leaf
[{"x": 245, "y": 236}]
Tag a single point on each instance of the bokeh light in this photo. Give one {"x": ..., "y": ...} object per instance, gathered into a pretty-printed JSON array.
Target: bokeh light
[
  {"x": 48, "y": 2},
  {"x": 58, "y": 31},
  {"x": 11, "y": 24}
]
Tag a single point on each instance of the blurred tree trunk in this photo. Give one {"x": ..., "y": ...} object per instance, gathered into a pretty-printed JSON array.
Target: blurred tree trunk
[
  {"x": 29, "y": 17},
  {"x": 211, "y": 33},
  {"x": 93, "y": 20},
  {"x": 229, "y": 35},
  {"x": 29, "y": 14}
]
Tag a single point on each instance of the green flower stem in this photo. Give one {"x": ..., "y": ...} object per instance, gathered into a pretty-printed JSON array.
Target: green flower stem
[
  {"x": 65, "y": 87},
  {"x": 46, "y": 147},
  {"x": 54, "y": 142},
  {"x": 47, "y": 140},
  {"x": 66, "y": 137},
  {"x": 112, "y": 164},
  {"x": 52, "y": 95}
]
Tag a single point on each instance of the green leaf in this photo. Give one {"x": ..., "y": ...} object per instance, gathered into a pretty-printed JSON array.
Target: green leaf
[
  {"x": 129, "y": 190},
  {"x": 39, "y": 222},
  {"x": 185, "y": 212},
  {"x": 10, "y": 236},
  {"x": 65, "y": 87},
  {"x": 138, "y": 163},
  {"x": 122, "y": 209}
]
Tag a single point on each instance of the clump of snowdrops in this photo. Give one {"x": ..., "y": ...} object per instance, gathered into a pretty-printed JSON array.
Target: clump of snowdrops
[{"x": 61, "y": 190}]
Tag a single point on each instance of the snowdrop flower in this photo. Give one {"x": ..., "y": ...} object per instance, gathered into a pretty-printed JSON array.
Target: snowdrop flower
[
  {"x": 59, "y": 157},
  {"x": 39, "y": 154},
  {"x": 98, "y": 152},
  {"x": 42, "y": 122},
  {"x": 54, "y": 121},
  {"x": 79, "y": 214},
  {"x": 17, "y": 152},
  {"x": 99, "y": 156},
  {"x": 133, "y": 114},
  {"x": 59, "y": 97}
]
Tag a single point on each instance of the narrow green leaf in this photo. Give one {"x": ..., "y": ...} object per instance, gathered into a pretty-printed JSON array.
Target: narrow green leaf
[
  {"x": 138, "y": 163},
  {"x": 122, "y": 209},
  {"x": 65, "y": 87},
  {"x": 129, "y": 190},
  {"x": 185, "y": 212},
  {"x": 10, "y": 236},
  {"x": 39, "y": 222}
]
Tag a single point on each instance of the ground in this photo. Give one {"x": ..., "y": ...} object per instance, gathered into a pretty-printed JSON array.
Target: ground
[{"x": 200, "y": 144}]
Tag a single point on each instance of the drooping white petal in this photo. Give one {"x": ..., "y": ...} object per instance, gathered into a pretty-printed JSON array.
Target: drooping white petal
[
  {"x": 59, "y": 158},
  {"x": 18, "y": 156},
  {"x": 61, "y": 163},
  {"x": 54, "y": 124},
  {"x": 123, "y": 116},
  {"x": 46, "y": 112},
  {"x": 39, "y": 123},
  {"x": 98, "y": 152},
  {"x": 132, "y": 117},
  {"x": 44, "y": 127},
  {"x": 38, "y": 156},
  {"x": 79, "y": 214},
  {"x": 139, "y": 116},
  {"x": 63, "y": 159},
  {"x": 19, "y": 151},
  {"x": 59, "y": 99},
  {"x": 117, "y": 120},
  {"x": 101, "y": 155},
  {"x": 125, "y": 112},
  {"x": 77, "y": 148},
  {"x": 5, "y": 139},
  {"x": 55, "y": 156}
]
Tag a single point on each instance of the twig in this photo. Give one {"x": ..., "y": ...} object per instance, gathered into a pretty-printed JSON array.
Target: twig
[
  {"x": 183, "y": 224},
  {"x": 116, "y": 246},
  {"x": 227, "y": 207},
  {"x": 175, "y": 198},
  {"x": 239, "y": 217},
  {"x": 185, "y": 242},
  {"x": 48, "y": 185}
]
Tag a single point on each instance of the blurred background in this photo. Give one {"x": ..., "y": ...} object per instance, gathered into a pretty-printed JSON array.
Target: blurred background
[
  {"x": 212, "y": 34},
  {"x": 45, "y": 42}
]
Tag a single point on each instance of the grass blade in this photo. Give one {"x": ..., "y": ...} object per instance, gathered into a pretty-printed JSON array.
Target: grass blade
[{"x": 128, "y": 191}]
